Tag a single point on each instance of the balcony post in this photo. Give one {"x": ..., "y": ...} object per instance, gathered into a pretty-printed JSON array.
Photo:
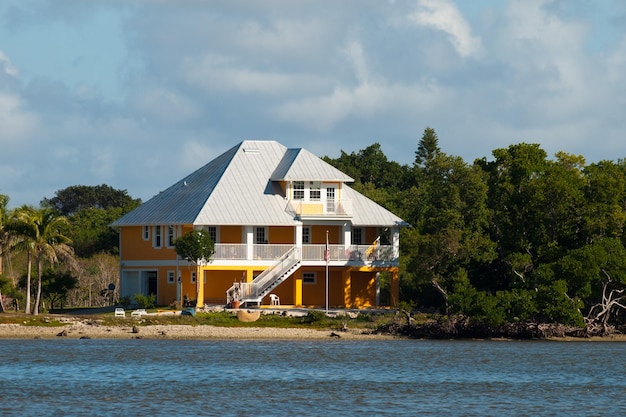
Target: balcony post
[
  {"x": 249, "y": 242},
  {"x": 298, "y": 237},
  {"x": 347, "y": 235},
  {"x": 395, "y": 242}
]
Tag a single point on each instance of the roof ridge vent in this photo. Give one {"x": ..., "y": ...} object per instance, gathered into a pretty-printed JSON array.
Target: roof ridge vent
[{"x": 251, "y": 149}]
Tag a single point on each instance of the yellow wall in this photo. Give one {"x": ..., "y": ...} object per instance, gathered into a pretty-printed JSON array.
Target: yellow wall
[
  {"x": 318, "y": 234},
  {"x": 363, "y": 292},
  {"x": 231, "y": 234},
  {"x": 134, "y": 247},
  {"x": 281, "y": 235}
]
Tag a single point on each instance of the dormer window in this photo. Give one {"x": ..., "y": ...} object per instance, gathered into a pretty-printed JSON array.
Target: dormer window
[
  {"x": 298, "y": 190},
  {"x": 315, "y": 193}
]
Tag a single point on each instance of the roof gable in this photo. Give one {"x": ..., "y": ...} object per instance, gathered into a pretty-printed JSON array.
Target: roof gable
[{"x": 302, "y": 165}]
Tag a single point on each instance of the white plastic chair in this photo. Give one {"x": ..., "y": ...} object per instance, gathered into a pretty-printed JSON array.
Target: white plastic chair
[
  {"x": 119, "y": 312},
  {"x": 138, "y": 313},
  {"x": 274, "y": 300}
]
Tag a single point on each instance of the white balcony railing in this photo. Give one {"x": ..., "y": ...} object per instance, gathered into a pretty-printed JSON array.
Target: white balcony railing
[
  {"x": 271, "y": 252},
  {"x": 312, "y": 209}
]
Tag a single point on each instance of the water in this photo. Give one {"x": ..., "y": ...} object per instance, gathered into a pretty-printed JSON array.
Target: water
[{"x": 71, "y": 377}]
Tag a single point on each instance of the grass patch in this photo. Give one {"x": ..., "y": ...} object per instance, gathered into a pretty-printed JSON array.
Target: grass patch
[{"x": 315, "y": 319}]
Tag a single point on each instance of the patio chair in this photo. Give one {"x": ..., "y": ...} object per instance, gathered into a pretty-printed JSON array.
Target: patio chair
[
  {"x": 274, "y": 300},
  {"x": 119, "y": 312}
]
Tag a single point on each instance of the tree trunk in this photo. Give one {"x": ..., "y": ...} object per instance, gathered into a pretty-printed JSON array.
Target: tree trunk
[
  {"x": 2, "y": 310},
  {"x": 39, "y": 274},
  {"x": 28, "y": 271}
]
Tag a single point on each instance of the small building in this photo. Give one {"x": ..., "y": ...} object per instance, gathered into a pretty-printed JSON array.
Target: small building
[{"x": 283, "y": 221}]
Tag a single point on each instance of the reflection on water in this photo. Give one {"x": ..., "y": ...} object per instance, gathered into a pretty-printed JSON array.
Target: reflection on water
[{"x": 313, "y": 377}]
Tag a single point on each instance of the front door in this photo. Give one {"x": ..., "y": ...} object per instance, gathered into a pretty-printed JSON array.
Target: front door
[{"x": 152, "y": 282}]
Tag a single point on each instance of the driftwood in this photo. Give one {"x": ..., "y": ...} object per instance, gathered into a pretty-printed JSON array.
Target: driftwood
[{"x": 597, "y": 320}]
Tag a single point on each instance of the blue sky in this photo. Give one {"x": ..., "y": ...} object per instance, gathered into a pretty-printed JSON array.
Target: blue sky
[{"x": 136, "y": 94}]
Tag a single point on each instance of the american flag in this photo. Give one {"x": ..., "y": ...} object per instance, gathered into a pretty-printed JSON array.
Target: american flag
[{"x": 326, "y": 251}]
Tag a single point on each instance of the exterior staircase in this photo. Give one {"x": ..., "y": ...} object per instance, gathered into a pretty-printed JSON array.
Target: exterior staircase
[{"x": 272, "y": 277}]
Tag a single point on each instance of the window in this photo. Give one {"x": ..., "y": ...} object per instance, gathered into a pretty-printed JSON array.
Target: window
[
  {"x": 315, "y": 192},
  {"x": 170, "y": 277},
  {"x": 193, "y": 277},
  {"x": 171, "y": 236},
  {"x": 309, "y": 277},
  {"x": 157, "y": 236},
  {"x": 146, "y": 232},
  {"x": 260, "y": 236},
  {"x": 357, "y": 236},
  {"x": 212, "y": 233},
  {"x": 298, "y": 190},
  {"x": 306, "y": 235}
]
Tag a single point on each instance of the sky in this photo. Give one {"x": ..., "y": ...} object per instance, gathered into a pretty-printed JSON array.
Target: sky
[{"x": 136, "y": 94}]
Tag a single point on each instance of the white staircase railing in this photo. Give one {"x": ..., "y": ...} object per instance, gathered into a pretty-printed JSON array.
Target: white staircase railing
[{"x": 254, "y": 291}]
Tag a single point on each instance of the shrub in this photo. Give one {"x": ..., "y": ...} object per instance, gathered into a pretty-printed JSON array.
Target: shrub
[
  {"x": 314, "y": 316},
  {"x": 145, "y": 301}
]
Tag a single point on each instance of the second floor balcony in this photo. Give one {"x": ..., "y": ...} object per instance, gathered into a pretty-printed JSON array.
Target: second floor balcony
[
  {"x": 338, "y": 254},
  {"x": 312, "y": 209}
]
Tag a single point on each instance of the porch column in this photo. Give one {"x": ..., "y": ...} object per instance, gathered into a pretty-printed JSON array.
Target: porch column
[
  {"x": 200, "y": 285},
  {"x": 249, "y": 242},
  {"x": 395, "y": 288},
  {"x": 297, "y": 289},
  {"x": 347, "y": 235},
  {"x": 395, "y": 242},
  {"x": 298, "y": 237}
]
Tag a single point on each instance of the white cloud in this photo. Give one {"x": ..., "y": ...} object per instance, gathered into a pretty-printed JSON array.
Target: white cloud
[
  {"x": 165, "y": 105},
  {"x": 443, "y": 15},
  {"x": 9, "y": 69},
  {"x": 17, "y": 124},
  {"x": 219, "y": 73}
]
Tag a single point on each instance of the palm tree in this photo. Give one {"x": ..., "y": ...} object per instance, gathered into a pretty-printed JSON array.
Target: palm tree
[
  {"x": 4, "y": 236},
  {"x": 41, "y": 237}
]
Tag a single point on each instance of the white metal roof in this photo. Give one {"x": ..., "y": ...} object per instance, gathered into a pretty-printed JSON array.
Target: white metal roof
[{"x": 239, "y": 188}]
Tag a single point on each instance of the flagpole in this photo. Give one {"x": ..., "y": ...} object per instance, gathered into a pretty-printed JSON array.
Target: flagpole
[{"x": 326, "y": 258}]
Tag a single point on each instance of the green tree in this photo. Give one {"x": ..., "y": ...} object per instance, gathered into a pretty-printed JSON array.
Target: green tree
[
  {"x": 427, "y": 148},
  {"x": 42, "y": 238},
  {"x": 195, "y": 246},
  {"x": 55, "y": 286},
  {"x": 75, "y": 198},
  {"x": 450, "y": 219},
  {"x": 90, "y": 210},
  {"x": 4, "y": 237}
]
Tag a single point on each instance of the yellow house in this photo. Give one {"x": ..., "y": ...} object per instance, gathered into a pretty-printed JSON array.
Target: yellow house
[{"x": 284, "y": 222}]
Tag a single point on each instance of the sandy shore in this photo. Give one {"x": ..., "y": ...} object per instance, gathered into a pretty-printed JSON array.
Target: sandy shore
[{"x": 79, "y": 330}]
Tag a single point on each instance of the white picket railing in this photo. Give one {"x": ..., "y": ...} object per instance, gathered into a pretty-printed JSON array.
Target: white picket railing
[{"x": 238, "y": 251}]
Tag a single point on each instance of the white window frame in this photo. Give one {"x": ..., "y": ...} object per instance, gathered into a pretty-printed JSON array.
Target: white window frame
[
  {"x": 306, "y": 235},
  {"x": 298, "y": 190},
  {"x": 146, "y": 233},
  {"x": 315, "y": 191},
  {"x": 212, "y": 231},
  {"x": 357, "y": 232},
  {"x": 170, "y": 277},
  {"x": 157, "y": 240},
  {"x": 193, "y": 277},
  {"x": 171, "y": 236},
  {"x": 258, "y": 229},
  {"x": 309, "y": 278}
]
